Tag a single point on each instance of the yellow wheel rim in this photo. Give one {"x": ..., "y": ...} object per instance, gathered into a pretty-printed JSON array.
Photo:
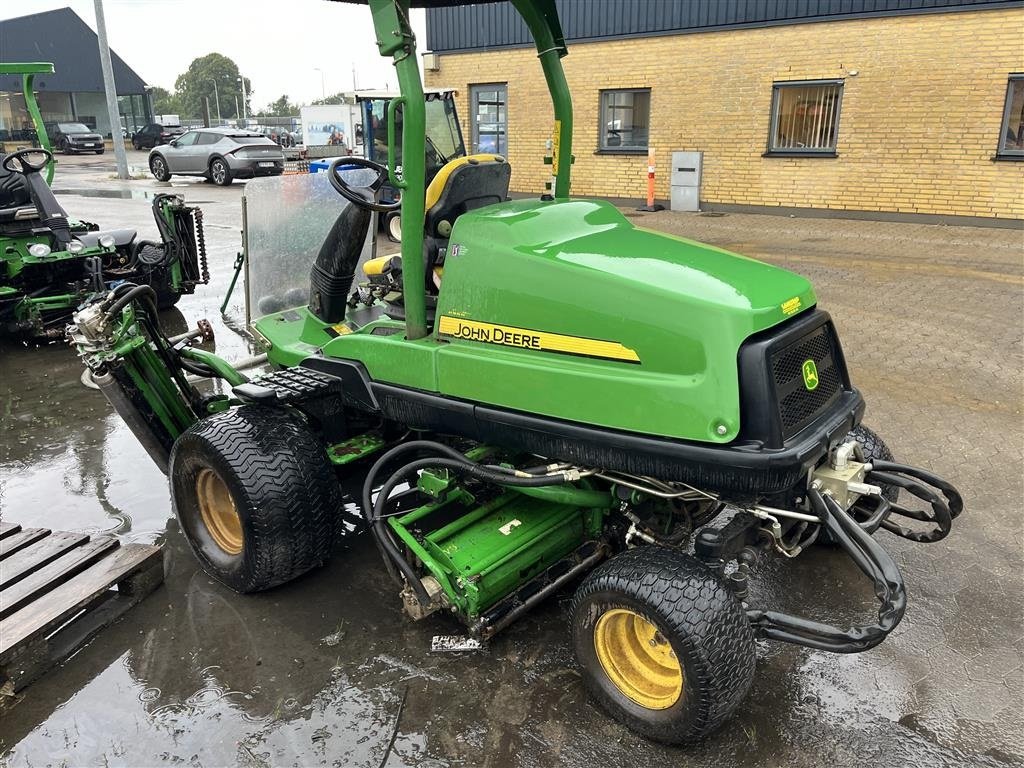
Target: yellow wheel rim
[
  {"x": 217, "y": 509},
  {"x": 638, "y": 659}
]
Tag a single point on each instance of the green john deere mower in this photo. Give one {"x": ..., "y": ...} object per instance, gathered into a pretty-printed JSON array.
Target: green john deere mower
[
  {"x": 538, "y": 394},
  {"x": 50, "y": 263}
]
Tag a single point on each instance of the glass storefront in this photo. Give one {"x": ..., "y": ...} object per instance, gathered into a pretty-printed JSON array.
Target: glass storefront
[{"x": 88, "y": 108}]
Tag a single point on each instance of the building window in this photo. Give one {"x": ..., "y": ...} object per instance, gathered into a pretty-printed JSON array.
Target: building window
[
  {"x": 1011, "y": 134},
  {"x": 625, "y": 120},
  {"x": 490, "y": 118},
  {"x": 805, "y": 117}
]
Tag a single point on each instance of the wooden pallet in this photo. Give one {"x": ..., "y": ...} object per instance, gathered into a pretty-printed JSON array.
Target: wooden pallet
[{"x": 57, "y": 590}]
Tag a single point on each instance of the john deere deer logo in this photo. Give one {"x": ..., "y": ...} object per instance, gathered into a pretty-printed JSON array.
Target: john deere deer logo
[{"x": 810, "y": 371}]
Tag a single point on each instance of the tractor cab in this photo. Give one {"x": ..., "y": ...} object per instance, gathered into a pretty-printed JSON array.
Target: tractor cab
[{"x": 443, "y": 140}]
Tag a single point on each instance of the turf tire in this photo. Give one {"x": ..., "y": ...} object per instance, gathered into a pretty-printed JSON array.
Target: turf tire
[
  {"x": 283, "y": 488},
  {"x": 691, "y": 608},
  {"x": 875, "y": 449}
]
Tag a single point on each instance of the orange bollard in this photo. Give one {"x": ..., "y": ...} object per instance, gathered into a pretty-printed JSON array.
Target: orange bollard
[{"x": 651, "y": 206}]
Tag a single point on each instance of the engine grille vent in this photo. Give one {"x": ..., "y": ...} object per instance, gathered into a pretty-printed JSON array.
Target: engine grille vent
[{"x": 797, "y": 404}]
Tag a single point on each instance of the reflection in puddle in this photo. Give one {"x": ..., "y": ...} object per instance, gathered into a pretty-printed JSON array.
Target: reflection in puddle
[{"x": 127, "y": 194}]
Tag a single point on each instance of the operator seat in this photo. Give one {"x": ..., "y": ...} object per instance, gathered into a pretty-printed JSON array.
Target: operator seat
[
  {"x": 461, "y": 185},
  {"x": 15, "y": 201}
]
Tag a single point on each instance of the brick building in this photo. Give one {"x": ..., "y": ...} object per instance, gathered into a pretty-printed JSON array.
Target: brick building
[{"x": 890, "y": 107}]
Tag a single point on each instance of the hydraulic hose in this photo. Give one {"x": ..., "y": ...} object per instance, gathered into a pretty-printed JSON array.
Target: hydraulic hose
[
  {"x": 873, "y": 561},
  {"x": 944, "y": 508},
  {"x": 452, "y": 460},
  {"x": 123, "y": 298}
]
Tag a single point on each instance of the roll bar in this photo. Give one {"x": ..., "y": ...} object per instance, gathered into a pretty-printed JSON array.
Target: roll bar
[
  {"x": 28, "y": 71},
  {"x": 396, "y": 39}
]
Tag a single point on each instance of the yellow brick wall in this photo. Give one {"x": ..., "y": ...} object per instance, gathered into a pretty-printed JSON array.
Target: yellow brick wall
[{"x": 918, "y": 128}]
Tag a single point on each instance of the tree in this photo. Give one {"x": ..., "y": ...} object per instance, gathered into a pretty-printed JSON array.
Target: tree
[
  {"x": 280, "y": 108},
  {"x": 196, "y": 84},
  {"x": 334, "y": 98},
  {"x": 164, "y": 102}
]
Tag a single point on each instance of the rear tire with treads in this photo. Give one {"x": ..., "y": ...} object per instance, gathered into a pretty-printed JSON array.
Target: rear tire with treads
[
  {"x": 681, "y": 603},
  {"x": 255, "y": 496},
  {"x": 875, "y": 449}
]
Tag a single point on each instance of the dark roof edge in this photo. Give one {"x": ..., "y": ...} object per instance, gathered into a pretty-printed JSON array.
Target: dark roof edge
[{"x": 994, "y": 5}]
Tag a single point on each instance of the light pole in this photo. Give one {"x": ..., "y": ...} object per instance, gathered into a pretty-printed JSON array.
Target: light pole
[
  {"x": 216, "y": 96},
  {"x": 245, "y": 98},
  {"x": 113, "y": 114},
  {"x": 237, "y": 113},
  {"x": 323, "y": 88}
]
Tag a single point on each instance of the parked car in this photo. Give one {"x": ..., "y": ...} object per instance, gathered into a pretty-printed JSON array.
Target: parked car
[
  {"x": 74, "y": 137},
  {"x": 154, "y": 134},
  {"x": 220, "y": 154}
]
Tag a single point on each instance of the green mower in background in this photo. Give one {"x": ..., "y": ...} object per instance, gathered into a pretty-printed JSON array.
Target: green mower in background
[
  {"x": 538, "y": 394},
  {"x": 50, "y": 263}
]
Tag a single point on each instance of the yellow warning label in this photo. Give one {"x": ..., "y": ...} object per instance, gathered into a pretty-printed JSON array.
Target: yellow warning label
[
  {"x": 791, "y": 306},
  {"x": 554, "y": 146},
  {"x": 341, "y": 329},
  {"x": 524, "y": 338}
]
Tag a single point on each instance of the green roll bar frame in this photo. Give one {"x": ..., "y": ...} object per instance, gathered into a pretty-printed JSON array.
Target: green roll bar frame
[
  {"x": 28, "y": 72},
  {"x": 396, "y": 39}
]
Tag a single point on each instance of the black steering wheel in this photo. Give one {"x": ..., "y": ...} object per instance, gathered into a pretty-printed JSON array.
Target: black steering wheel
[
  {"x": 18, "y": 162},
  {"x": 365, "y": 196}
]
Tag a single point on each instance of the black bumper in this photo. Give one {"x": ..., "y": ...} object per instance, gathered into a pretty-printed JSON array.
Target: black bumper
[{"x": 738, "y": 471}]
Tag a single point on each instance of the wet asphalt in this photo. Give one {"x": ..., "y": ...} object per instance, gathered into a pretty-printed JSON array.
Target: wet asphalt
[{"x": 328, "y": 671}]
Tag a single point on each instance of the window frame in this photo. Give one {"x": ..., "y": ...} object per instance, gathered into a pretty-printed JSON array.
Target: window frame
[
  {"x": 186, "y": 133},
  {"x": 1004, "y": 124},
  {"x": 773, "y": 119},
  {"x": 501, "y": 93},
  {"x": 602, "y": 128}
]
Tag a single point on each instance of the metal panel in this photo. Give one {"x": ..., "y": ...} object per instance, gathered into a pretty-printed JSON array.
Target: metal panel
[
  {"x": 686, "y": 169},
  {"x": 498, "y": 25},
  {"x": 685, "y": 199},
  {"x": 685, "y": 180}
]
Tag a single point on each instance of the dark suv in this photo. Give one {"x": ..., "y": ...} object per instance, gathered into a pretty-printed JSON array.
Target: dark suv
[
  {"x": 74, "y": 137},
  {"x": 155, "y": 134}
]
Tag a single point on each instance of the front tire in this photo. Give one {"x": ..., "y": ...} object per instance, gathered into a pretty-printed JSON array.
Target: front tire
[
  {"x": 393, "y": 226},
  {"x": 255, "y": 496},
  {"x": 220, "y": 173},
  {"x": 665, "y": 648},
  {"x": 158, "y": 167}
]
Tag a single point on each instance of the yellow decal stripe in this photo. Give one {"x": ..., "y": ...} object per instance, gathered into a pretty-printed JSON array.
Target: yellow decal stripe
[{"x": 524, "y": 338}]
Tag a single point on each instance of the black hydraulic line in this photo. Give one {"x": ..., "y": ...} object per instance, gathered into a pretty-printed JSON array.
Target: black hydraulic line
[
  {"x": 453, "y": 460},
  {"x": 122, "y": 300},
  {"x": 873, "y": 561},
  {"x": 149, "y": 317},
  {"x": 944, "y": 508},
  {"x": 875, "y": 518}
]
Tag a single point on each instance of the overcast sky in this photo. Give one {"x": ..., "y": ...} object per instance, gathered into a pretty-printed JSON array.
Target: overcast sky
[{"x": 278, "y": 45}]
